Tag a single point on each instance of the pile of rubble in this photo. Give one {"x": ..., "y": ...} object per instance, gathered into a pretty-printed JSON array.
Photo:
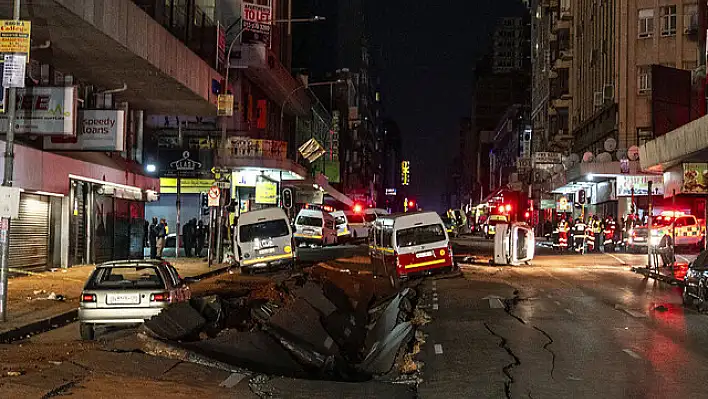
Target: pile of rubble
[{"x": 299, "y": 328}]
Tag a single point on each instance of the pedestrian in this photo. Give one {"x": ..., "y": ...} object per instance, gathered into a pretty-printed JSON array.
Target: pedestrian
[
  {"x": 187, "y": 237},
  {"x": 152, "y": 238},
  {"x": 161, "y": 237},
  {"x": 200, "y": 235}
]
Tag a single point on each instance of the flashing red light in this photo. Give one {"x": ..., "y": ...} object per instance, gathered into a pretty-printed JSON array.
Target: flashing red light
[
  {"x": 411, "y": 204},
  {"x": 527, "y": 214},
  {"x": 507, "y": 207},
  {"x": 357, "y": 208}
]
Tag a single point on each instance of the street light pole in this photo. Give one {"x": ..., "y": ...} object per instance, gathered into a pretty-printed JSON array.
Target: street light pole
[
  {"x": 7, "y": 181},
  {"x": 295, "y": 90}
]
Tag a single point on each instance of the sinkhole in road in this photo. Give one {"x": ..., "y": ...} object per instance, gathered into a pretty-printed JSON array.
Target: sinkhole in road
[{"x": 338, "y": 327}]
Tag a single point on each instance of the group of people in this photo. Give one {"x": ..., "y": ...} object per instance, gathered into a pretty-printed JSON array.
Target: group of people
[
  {"x": 193, "y": 235},
  {"x": 586, "y": 237}
]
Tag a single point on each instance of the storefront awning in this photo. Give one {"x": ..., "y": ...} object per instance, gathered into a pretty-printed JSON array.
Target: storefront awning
[{"x": 687, "y": 143}]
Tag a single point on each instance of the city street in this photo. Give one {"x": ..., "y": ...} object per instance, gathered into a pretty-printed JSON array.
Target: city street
[{"x": 564, "y": 326}]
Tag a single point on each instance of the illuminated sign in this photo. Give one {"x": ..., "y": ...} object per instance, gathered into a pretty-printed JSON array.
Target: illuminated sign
[{"x": 405, "y": 173}]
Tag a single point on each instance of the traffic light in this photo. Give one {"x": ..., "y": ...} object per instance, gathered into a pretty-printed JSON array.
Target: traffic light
[
  {"x": 204, "y": 201},
  {"x": 581, "y": 197},
  {"x": 288, "y": 198}
]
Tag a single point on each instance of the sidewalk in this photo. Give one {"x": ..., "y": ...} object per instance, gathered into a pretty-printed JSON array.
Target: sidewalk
[{"x": 52, "y": 297}]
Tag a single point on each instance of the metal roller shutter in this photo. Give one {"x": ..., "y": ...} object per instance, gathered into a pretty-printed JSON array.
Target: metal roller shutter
[{"x": 29, "y": 234}]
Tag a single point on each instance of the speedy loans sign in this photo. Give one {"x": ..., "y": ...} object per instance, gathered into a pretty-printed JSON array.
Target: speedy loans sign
[
  {"x": 44, "y": 111},
  {"x": 98, "y": 130}
]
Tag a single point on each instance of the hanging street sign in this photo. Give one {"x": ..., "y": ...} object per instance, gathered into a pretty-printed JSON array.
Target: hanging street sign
[{"x": 225, "y": 105}]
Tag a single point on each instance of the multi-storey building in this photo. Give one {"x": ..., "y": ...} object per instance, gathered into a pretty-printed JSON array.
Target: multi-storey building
[{"x": 502, "y": 78}]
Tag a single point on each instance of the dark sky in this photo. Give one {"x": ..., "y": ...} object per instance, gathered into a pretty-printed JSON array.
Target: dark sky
[{"x": 427, "y": 51}]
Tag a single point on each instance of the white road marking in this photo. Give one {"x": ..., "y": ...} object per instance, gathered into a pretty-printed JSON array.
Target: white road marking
[
  {"x": 435, "y": 306},
  {"x": 495, "y": 303},
  {"x": 568, "y": 311},
  {"x": 557, "y": 303},
  {"x": 232, "y": 380},
  {"x": 438, "y": 349},
  {"x": 328, "y": 342},
  {"x": 623, "y": 263},
  {"x": 435, "y": 295},
  {"x": 435, "y": 283},
  {"x": 434, "y": 289},
  {"x": 631, "y": 353}
]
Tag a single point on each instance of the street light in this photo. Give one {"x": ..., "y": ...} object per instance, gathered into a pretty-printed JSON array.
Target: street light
[
  {"x": 316, "y": 18},
  {"x": 302, "y": 86}
]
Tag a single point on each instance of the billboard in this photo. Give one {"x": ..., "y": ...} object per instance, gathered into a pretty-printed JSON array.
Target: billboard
[
  {"x": 44, "y": 111},
  {"x": 695, "y": 178},
  {"x": 246, "y": 147},
  {"x": 257, "y": 20},
  {"x": 98, "y": 130},
  {"x": 266, "y": 191},
  {"x": 640, "y": 185}
]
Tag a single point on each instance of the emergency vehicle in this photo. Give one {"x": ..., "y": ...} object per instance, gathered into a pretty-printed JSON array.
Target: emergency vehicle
[{"x": 689, "y": 231}]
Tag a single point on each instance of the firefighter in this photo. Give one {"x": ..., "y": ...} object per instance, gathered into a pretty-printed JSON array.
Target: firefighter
[
  {"x": 563, "y": 234},
  {"x": 579, "y": 229},
  {"x": 608, "y": 244}
]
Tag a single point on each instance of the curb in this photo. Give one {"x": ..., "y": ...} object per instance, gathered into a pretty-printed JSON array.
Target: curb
[
  {"x": 62, "y": 319},
  {"x": 39, "y": 326}
]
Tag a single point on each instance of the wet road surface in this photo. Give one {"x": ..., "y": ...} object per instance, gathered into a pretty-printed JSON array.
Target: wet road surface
[{"x": 567, "y": 326}]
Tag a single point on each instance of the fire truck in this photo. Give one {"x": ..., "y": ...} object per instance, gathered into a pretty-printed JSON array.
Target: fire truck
[{"x": 669, "y": 228}]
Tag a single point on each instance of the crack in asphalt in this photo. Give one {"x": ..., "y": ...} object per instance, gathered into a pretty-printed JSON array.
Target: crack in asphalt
[
  {"x": 553, "y": 354},
  {"x": 506, "y": 369},
  {"x": 509, "y": 305},
  {"x": 61, "y": 389}
]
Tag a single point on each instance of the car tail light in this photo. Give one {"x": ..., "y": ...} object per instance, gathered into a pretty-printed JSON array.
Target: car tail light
[
  {"x": 88, "y": 297},
  {"x": 161, "y": 297}
]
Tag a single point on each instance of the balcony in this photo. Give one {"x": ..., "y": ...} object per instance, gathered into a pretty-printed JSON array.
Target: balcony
[
  {"x": 111, "y": 43},
  {"x": 563, "y": 102},
  {"x": 561, "y": 24},
  {"x": 566, "y": 55},
  {"x": 560, "y": 63}
]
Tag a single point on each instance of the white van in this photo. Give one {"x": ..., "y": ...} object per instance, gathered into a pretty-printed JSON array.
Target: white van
[
  {"x": 350, "y": 224},
  {"x": 264, "y": 239},
  {"x": 410, "y": 244},
  {"x": 315, "y": 227}
]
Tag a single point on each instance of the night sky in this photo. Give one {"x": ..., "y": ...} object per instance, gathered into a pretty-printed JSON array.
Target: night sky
[{"x": 426, "y": 55}]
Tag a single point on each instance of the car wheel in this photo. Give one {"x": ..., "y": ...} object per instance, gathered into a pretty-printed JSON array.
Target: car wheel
[
  {"x": 87, "y": 331},
  {"x": 700, "y": 303}
]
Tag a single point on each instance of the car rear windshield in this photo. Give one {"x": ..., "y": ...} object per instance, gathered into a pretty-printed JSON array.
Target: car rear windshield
[
  {"x": 370, "y": 217},
  {"x": 420, "y": 235},
  {"x": 340, "y": 220},
  {"x": 309, "y": 221},
  {"x": 356, "y": 219},
  {"x": 126, "y": 277},
  {"x": 267, "y": 229}
]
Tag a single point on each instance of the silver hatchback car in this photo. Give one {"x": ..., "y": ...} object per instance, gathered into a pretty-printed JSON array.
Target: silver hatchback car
[{"x": 128, "y": 292}]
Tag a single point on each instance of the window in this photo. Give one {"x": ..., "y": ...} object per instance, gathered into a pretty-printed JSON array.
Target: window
[
  {"x": 690, "y": 19},
  {"x": 126, "y": 277},
  {"x": 668, "y": 21},
  {"x": 420, "y": 235},
  {"x": 646, "y": 23},
  {"x": 644, "y": 79},
  {"x": 309, "y": 221},
  {"x": 267, "y": 229}
]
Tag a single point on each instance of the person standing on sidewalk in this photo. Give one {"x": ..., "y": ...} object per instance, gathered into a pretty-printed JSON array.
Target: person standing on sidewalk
[
  {"x": 152, "y": 238},
  {"x": 200, "y": 234},
  {"x": 161, "y": 237},
  {"x": 187, "y": 238}
]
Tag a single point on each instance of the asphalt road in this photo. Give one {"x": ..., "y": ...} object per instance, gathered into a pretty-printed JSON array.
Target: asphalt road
[{"x": 566, "y": 326}]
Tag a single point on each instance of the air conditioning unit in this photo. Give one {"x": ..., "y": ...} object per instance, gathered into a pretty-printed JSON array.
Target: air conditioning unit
[
  {"x": 608, "y": 93},
  {"x": 597, "y": 99}
]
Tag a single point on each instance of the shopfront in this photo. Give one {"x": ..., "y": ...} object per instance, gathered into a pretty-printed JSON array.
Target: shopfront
[{"x": 30, "y": 237}]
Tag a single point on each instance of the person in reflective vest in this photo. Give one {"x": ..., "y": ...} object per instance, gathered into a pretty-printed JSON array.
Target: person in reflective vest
[
  {"x": 579, "y": 230},
  {"x": 597, "y": 232},
  {"x": 590, "y": 235},
  {"x": 609, "y": 233}
]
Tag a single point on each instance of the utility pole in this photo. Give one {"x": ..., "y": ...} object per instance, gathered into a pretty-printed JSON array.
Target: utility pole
[
  {"x": 180, "y": 141},
  {"x": 7, "y": 182}
]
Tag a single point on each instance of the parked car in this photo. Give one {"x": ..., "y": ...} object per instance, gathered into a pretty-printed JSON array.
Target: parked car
[
  {"x": 350, "y": 224},
  {"x": 695, "y": 290},
  {"x": 128, "y": 292}
]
